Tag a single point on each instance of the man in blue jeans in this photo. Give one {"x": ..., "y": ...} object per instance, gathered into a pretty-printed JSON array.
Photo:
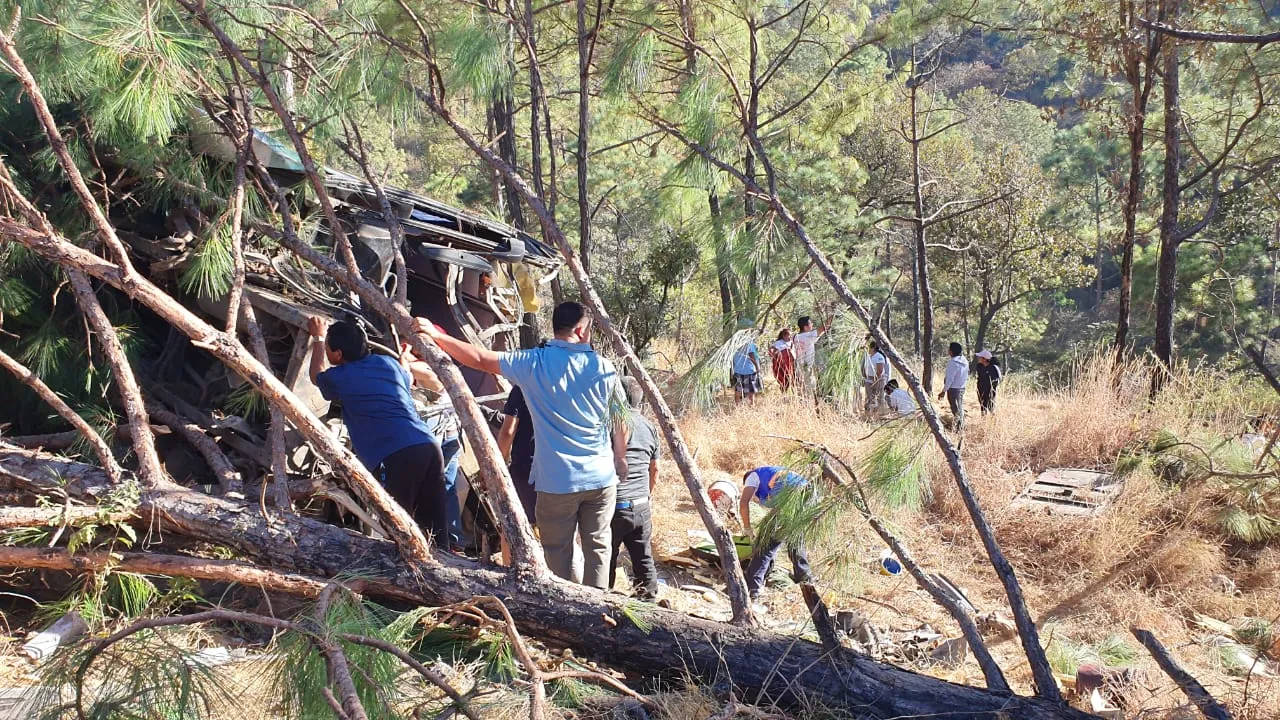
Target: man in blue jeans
[
  {"x": 763, "y": 484},
  {"x": 377, "y": 408},
  {"x": 581, "y": 448}
]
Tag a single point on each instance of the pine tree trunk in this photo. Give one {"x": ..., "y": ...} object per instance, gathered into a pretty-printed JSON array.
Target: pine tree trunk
[
  {"x": 585, "y": 41},
  {"x": 143, "y": 440},
  {"x": 1138, "y": 74},
  {"x": 1167, "y": 267},
  {"x": 924, "y": 287},
  {"x": 724, "y": 265}
]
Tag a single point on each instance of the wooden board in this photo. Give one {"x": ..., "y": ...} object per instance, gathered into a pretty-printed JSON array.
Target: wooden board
[{"x": 1070, "y": 491}]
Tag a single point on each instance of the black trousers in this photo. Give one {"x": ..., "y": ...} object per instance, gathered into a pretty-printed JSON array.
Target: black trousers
[
  {"x": 415, "y": 478},
  {"x": 633, "y": 526},
  {"x": 526, "y": 492},
  {"x": 987, "y": 399}
]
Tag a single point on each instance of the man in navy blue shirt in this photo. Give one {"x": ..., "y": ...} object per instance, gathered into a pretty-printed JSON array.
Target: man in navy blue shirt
[
  {"x": 581, "y": 451},
  {"x": 377, "y": 408}
]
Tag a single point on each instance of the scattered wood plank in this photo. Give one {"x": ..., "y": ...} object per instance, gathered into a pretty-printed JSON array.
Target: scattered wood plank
[{"x": 1070, "y": 491}]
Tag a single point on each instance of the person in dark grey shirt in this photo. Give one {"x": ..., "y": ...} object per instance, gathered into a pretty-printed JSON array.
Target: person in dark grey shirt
[{"x": 632, "y": 521}]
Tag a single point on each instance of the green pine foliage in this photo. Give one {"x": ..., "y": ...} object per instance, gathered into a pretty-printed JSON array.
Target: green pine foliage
[{"x": 895, "y": 473}]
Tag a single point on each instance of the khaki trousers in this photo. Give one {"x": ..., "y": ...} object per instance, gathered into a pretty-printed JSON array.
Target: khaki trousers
[{"x": 587, "y": 514}]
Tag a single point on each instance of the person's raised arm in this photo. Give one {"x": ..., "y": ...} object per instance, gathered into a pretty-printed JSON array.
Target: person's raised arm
[
  {"x": 316, "y": 328},
  {"x": 464, "y": 352},
  {"x": 507, "y": 435}
]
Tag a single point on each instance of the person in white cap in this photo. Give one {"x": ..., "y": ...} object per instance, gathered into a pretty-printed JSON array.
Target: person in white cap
[{"x": 988, "y": 380}]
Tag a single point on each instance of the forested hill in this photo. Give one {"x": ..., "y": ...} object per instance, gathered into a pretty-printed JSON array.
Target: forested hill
[{"x": 1022, "y": 125}]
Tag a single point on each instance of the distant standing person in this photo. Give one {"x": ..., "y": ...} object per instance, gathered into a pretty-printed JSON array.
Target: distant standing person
[
  {"x": 953, "y": 383},
  {"x": 805, "y": 343},
  {"x": 632, "y": 515},
  {"x": 881, "y": 374},
  {"x": 377, "y": 408},
  {"x": 989, "y": 377},
  {"x": 746, "y": 374},
  {"x": 783, "y": 359},
  {"x": 763, "y": 485},
  {"x": 581, "y": 452}
]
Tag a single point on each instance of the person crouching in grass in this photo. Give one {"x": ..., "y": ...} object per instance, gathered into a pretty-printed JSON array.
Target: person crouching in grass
[{"x": 764, "y": 485}]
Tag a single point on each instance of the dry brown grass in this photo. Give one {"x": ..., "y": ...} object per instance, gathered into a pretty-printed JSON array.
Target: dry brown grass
[{"x": 1150, "y": 559}]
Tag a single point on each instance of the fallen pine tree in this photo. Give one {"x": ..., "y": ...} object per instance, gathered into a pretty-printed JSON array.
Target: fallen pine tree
[{"x": 296, "y": 555}]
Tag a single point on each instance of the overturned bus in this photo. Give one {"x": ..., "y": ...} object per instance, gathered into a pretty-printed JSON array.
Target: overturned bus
[{"x": 477, "y": 278}]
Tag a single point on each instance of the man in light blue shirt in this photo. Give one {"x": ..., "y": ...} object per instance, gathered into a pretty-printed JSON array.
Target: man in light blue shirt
[{"x": 581, "y": 450}]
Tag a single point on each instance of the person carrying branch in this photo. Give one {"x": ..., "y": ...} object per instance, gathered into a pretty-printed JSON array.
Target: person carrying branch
[
  {"x": 806, "y": 344},
  {"x": 386, "y": 432},
  {"x": 763, "y": 484},
  {"x": 580, "y": 453}
]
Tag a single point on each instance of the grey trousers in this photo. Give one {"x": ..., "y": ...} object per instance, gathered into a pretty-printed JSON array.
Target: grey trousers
[
  {"x": 588, "y": 514},
  {"x": 955, "y": 398},
  {"x": 875, "y": 398}
]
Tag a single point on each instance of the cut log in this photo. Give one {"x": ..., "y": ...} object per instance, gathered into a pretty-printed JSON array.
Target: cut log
[{"x": 762, "y": 664}]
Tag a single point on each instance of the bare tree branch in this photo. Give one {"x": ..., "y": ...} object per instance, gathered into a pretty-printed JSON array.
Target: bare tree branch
[
  {"x": 1211, "y": 35},
  {"x": 46, "y": 393}
]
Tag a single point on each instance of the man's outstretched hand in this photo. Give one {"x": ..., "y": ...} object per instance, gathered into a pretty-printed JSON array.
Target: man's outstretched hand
[
  {"x": 423, "y": 326},
  {"x": 317, "y": 326}
]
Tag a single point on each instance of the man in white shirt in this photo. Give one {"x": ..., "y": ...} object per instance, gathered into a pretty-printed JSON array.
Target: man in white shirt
[
  {"x": 805, "y": 343},
  {"x": 953, "y": 383},
  {"x": 878, "y": 374},
  {"x": 899, "y": 400}
]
